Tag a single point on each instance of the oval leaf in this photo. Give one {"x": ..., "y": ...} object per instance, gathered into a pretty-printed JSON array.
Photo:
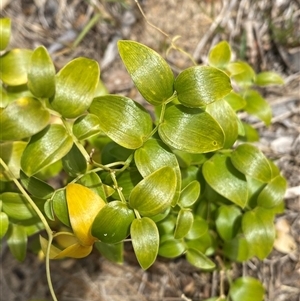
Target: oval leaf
[
  {"x": 74, "y": 163},
  {"x": 145, "y": 241},
  {"x": 224, "y": 178},
  {"x": 5, "y": 30},
  {"x": 191, "y": 130},
  {"x": 112, "y": 223},
  {"x": 17, "y": 241},
  {"x": 220, "y": 55},
  {"x": 250, "y": 161},
  {"x": 189, "y": 195},
  {"x": 23, "y": 118},
  {"x": 171, "y": 248},
  {"x": 199, "y": 260},
  {"x": 268, "y": 78},
  {"x": 123, "y": 120},
  {"x": 201, "y": 85},
  {"x": 86, "y": 126},
  {"x": 4, "y": 222},
  {"x": 237, "y": 249},
  {"x": 258, "y": 228},
  {"x": 45, "y": 148},
  {"x": 242, "y": 73},
  {"x": 76, "y": 84},
  {"x": 150, "y": 73},
  {"x": 60, "y": 207},
  {"x": 112, "y": 252},
  {"x": 14, "y": 66},
  {"x": 41, "y": 74},
  {"x": 153, "y": 155},
  {"x": 154, "y": 194},
  {"x": 184, "y": 223},
  {"x": 236, "y": 101}
]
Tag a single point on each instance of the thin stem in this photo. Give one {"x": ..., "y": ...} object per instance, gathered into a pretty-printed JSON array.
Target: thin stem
[{"x": 116, "y": 186}]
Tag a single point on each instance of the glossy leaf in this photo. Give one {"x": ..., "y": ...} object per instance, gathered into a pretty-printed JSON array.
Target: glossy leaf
[
  {"x": 189, "y": 195},
  {"x": 237, "y": 249},
  {"x": 224, "y": 178},
  {"x": 74, "y": 163},
  {"x": 41, "y": 73},
  {"x": 36, "y": 187},
  {"x": 199, "y": 260},
  {"x": 75, "y": 87},
  {"x": 23, "y": 118},
  {"x": 123, "y": 120},
  {"x": 222, "y": 112},
  {"x": 273, "y": 194},
  {"x": 60, "y": 207},
  {"x": 112, "y": 252},
  {"x": 171, "y": 248},
  {"x": 17, "y": 241},
  {"x": 184, "y": 223},
  {"x": 155, "y": 193},
  {"x": 198, "y": 229},
  {"x": 242, "y": 73},
  {"x": 145, "y": 241},
  {"x": 4, "y": 222},
  {"x": 150, "y": 73},
  {"x": 220, "y": 55},
  {"x": 259, "y": 231},
  {"x": 11, "y": 154},
  {"x": 246, "y": 289},
  {"x": 191, "y": 130},
  {"x": 236, "y": 101},
  {"x": 250, "y": 161},
  {"x": 112, "y": 223},
  {"x": 201, "y": 85},
  {"x": 228, "y": 221},
  {"x": 5, "y": 30},
  {"x": 16, "y": 206},
  {"x": 153, "y": 155},
  {"x": 258, "y": 106},
  {"x": 14, "y": 66},
  {"x": 86, "y": 126},
  {"x": 83, "y": 206},
  {"x": 268, "y": 78},
  {"x": 45, "y": 148}
]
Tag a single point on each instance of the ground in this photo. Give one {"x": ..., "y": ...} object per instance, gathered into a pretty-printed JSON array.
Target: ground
[{"x": 264, "y": 33}]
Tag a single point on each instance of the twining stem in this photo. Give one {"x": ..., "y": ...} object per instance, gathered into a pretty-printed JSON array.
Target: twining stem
[{"x": 43, "y": 220}]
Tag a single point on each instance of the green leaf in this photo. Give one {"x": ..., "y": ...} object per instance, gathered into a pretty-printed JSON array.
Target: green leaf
[
  {"x": 242, "y": 73},
  {"x": 259, "y": 231},
  {"x": 17, "y": 241},
  {"x": 237, "y": 249},
  {"x": 246, "y": 289},
  {"x": 190, "y": 194},
  {"x": 5, "y": 31},
  {"x": 222, "y": 112},
  {"x": 41, "y": 74},
  {"x": 74, "y": 163},
  {"x": 112, "y": 252},
  {"x": 184, "y": 223},
  {"x": 76, "y": 84},
  {"x": 224, "y": 178},
  {"x": 268, "y": 78},
  {"x": 23, "y": 118},
  {"x": 4, "y": 222},
  {"x": 86, "y": 126},
  {"x": 220, "y": 55},
  {"x": 171, "y": 248},
  {"x": 14, "y": 66},
  {"x": 153, "y": 155},
  {"x": 45, "y": 148},
  {"x": 199, "y": 260},
  {"x": 150, "y": 73},
  {"x": 201, "y": 85},
  {"x": 201, "y": 244},
  {"x": 228, "y": 221},
  {"x": 60, "y": 207},
  {"x": 191, "y": 130},
  {"x": 145, "y": 241},
  {"x": 198, "y": 229},
  {"x": 250, "y": 161},
  {"x": 236, "y": 101},
  {"x": 16, "y": 206},
  {"x": 258, "y": 106},
  {"x": 36, "y": 187},
  {"x": 112, "y": 223},
  {"x": 155, "y": 193},
  {"x": 11, "y": 154},
  {"x": 250, "y": 133},
  {"x": 123, "y": 120},
  {"x": 273, "y": 193}
]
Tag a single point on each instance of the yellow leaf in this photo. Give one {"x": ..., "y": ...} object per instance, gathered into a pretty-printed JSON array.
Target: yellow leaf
[{"x": 83, "y": 205}]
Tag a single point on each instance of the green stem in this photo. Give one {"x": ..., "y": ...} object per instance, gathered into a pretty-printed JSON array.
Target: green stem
[{"x": 116, "y": 186}]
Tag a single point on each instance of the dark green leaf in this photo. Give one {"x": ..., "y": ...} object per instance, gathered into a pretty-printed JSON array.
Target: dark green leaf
[
  {"x": 201, "y": 85},
  {"x": 219, "y": 56},
  {"x": 191, "y": 130},
  {"x": 45, "y": 148},
  {"x": 112, "y": 252},
  {"x": 5, "y": 30},
  {"x": 199, "y": 260},
  {"x": 145, "y": 241},
  {"x": 60, "y": 207},
  {"x": 74, "y": 163},
  {"x": 150, "y": 73},
  {"x": 17, "y": 241}
]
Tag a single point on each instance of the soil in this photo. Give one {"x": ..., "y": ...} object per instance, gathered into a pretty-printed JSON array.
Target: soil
[{"x": 264, "y": 33}]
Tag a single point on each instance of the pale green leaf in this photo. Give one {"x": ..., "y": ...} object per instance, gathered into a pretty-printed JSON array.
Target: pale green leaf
[
  {"x": 219, "y": 56},
  {"x": 5, "y": 31},
  {"x": 199, "y": 260},
  {"x": 268, "y": 78}
]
